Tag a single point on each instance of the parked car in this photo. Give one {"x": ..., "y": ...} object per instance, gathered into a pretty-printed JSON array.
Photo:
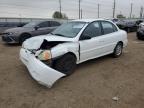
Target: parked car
[
  {"x": 115, "y": 20},
  {"x": 138, "y": 22},
  {"x": 127, "y": 25},
  {"x": 20, "y": 34},
  {"x": 52, "y": 56},
  {"x": 7, "y": 25},
  {"x": 140, "y": 32}
]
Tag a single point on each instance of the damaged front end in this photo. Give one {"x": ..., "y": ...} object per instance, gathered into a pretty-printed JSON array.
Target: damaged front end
[{"x": 39, "y": 63}]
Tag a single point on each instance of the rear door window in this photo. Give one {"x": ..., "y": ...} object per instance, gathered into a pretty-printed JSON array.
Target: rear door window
[
  {"x": 44, "y": 24},
  {"x": 108, "y": 27}
]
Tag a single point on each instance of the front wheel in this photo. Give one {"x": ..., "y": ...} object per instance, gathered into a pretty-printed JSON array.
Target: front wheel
[
  {"x": 118, "y": 50},
  {"x": 23, "y": 37},
  {"x": 66, "y": 64}
]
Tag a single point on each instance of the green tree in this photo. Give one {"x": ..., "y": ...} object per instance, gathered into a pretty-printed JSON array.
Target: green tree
[
  {"x": 120, "y": 16},
  {"x": 59, "y": 15}
]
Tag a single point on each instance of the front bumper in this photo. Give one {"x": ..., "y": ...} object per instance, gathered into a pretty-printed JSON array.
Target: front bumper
[
  {"x": 38, "y": 70},
  {"x": 9, "y": 39}
]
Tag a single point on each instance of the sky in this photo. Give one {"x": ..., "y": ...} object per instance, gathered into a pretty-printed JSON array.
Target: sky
[{"x": 45, "y": 8}]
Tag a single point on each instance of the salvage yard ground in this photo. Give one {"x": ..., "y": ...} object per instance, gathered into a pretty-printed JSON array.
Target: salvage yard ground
[{"x": 93, "y": 85}]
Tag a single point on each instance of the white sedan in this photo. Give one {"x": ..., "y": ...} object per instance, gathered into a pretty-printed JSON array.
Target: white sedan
[{"x": 52, "y": 56}]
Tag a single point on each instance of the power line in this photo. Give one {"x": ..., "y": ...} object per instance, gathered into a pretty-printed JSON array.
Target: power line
[{"x": 89, "y": 7}]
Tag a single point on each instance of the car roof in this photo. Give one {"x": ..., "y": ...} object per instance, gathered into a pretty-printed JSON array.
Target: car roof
[{"x": 89, "y": 20}]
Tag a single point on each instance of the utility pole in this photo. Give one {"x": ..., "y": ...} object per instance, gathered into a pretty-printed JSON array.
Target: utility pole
[
  {"x": 131, "y": 10},
  {"x": 141, "y": 12},
  {"x": 114, "y": 6},
  {"x": 60, "y": 6},
  {"x": 20, "y": 16},
  {"x": 81, "y": 13},
  {"x": 79, "y": 9},
  {"x": 98, "y": 9}
]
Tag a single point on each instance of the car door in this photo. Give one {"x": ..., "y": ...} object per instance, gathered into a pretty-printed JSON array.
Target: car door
[
  {"x": 109, "y": 38},
  {"x": 42, "y": 28},
  {"x": 89, "y": 42}
]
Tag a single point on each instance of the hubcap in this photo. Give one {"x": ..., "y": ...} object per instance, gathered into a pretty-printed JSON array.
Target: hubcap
[{"x": 118, "y": 50}]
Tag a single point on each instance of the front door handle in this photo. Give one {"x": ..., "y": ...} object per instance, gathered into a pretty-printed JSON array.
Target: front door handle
[{"x": 101, "y": 41}]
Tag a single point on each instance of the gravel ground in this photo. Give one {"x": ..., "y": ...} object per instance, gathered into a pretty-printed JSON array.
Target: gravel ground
[{"x": 93, "y": 85}]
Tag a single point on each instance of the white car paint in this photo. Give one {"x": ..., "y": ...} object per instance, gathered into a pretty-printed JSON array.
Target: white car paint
[
  {"x": 39, "y": 71},
  {"x": 89, "y": 49}
]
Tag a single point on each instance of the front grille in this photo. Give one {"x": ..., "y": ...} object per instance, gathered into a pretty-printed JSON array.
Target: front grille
[{"x": 6, "y": 39}]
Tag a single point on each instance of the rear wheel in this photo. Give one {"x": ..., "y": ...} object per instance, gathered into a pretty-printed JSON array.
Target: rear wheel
[
  {"x": 23, "y": 37},
  {"x": 66, "y": 64},
  {"x": 118, "y": 50}
]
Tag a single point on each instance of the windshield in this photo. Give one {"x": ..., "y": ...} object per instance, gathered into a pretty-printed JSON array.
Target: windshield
[
  {"x": 70, "y": 29},
  {"x": 31, "y": 24}
]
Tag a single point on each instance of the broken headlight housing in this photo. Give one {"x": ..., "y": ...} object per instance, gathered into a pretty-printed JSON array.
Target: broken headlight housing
[
  {"x": 44, "y": 55},
  {"x": 10, "y": 33}
]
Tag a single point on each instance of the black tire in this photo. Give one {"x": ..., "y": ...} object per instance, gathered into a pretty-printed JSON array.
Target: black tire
[
  {"x": 118, "y": 50},
  {"x": 23, "y": 37},
  {"x": 66, "y": 64},
  {"x": 139, "y": 37}
]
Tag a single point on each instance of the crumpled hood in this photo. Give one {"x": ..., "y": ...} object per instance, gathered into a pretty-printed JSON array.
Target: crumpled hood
[
  {"x": 35, "y": 42},
  {"x": 18, "y": 29}
]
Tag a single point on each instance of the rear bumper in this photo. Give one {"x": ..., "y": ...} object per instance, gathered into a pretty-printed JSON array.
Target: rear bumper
[{"x": 39, "y": 71}]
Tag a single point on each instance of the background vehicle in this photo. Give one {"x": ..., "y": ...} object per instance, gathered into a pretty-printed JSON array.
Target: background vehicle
[
  {"x": 55, "y": 55},
  {"x": 127, "y": 25},
  {"x": 115, "y": 20},
  {"x": 7, "y": 25},
  {"x": 20, "y": 34},
  {"x": 140, "y": 32},
  {"x": 138, "y": 22}
]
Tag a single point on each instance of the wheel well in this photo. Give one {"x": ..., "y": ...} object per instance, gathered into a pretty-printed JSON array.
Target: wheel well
[
  {"x": 63, "y": 56},
  {"x": 71, "y": 54},
  {"x": 120, "y": 42},
  {"x": 66, "y": 54},
  {"x": 25, "y": 34}
]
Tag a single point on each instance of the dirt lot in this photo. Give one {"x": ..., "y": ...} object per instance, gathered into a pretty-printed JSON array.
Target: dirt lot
[{"x": 93, "y": 85}]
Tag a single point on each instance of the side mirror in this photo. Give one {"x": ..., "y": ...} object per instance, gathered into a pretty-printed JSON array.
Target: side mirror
[
  {"x": 85, "y": 37},
  {"x": 37, "y": 27}
]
